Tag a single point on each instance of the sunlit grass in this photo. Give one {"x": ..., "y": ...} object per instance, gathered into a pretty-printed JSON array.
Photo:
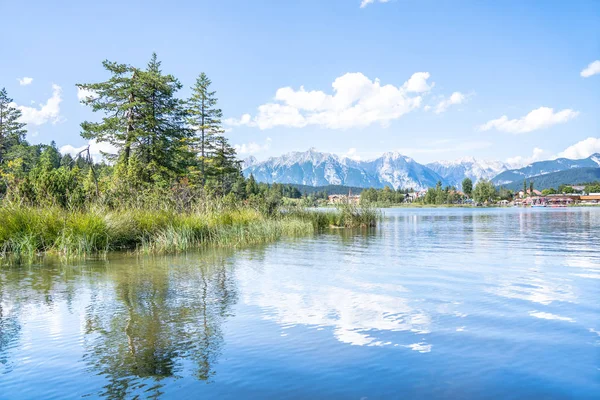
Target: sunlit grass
[{"x": 28, "y": 232}]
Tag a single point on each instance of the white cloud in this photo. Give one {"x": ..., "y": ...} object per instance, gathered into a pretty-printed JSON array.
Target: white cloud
[
  {"x": 540, "y": 118},
  {"x": 83, "y": 94},
  {"x": 582, "y": 149},
  {"x": 96, "y": 149},
  {"x": 455, "y": 98},
  {"x": 49, "y": 112},
  {"x": 365, "y": 3},
  {"x": 592, "y": 69},
  {"x": 545, "y": 315},
  {"x": 252, "y": 147},
  {"x": 244, "y": 120},
  {"x": 520, "y": 161},
  {"x": 420, "y": 347},
  {"x": 356, "y": 101},
  {"x": 352, "y": 154},
  {"x": 417, "y": 83},
  {"x": 443, "y": 146},
  {"x": 25, "y": 81}
]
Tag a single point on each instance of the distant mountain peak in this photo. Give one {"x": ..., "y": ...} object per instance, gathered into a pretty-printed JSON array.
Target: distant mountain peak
[
  {"x": 455, "y": 171},
  {"x": 249, "y": 161},
  {"x": 319, "y": 169},
  {"x": 395, "y": 155}
]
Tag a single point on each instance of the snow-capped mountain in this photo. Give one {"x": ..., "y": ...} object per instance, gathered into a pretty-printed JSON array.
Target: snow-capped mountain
[
  {"x": 546, "y": 167},
  {"x": 248, "y": 162},
  {"x": 455, "y": 171},
  {"x": 319, "y": 169},
  {"x": 396, "y": 170}
]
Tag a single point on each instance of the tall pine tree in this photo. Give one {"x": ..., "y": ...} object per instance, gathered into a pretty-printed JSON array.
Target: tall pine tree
[
  {"x": 224, "y": 166},
  {"x": 163, "y": 134},
  {"x": 119, "y": 98},
  {"x": 205, "y": 118},
  {"x": 12, "y": 132}
]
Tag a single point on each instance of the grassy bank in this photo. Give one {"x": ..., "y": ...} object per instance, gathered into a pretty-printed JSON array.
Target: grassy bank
[{"x": 26, "y": 232}]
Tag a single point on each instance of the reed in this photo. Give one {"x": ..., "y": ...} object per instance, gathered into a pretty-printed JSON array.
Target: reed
[{"x": 27, "y": 232}]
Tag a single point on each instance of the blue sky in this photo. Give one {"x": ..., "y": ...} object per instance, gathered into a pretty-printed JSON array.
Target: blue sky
[{"x": 432, "y": 79}]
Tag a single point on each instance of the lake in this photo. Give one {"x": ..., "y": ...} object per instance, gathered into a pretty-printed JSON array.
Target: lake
[{"x": 433, "y": 303}]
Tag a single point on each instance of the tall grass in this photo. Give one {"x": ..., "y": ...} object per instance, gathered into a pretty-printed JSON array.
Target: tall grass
[
  {"x": 344, "y": 216},
  {"x": 27, "y": 232}
]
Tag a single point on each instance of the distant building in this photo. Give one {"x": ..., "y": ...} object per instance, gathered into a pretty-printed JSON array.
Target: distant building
[
  {"x": 535, "y": 193},
  {"x": 343, "y": 199},
  {"x": 593, "y": 198}
]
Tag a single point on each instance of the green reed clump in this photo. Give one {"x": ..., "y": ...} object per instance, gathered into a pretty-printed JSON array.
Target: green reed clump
[
  {"x": 345, "y": 216},
  {"x": 358, "y": 216},
  {"x": 83, "y": 233},
  {"x": 225, "y": 230},
  {"x": 26, "y": 232}
]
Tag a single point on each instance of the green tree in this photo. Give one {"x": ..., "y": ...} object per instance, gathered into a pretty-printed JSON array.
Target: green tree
[
  {"x": 568, "y": 190},
  {"x": 386, "y": 195},
  {"x": 467, "y": 187},
  {"x": 531, "y": 188},
  {"x": 205, "y": 117},
  {"x": 12, "y": 132},
  {"x": 430, "y": 196},
  {"x": 224, "y": 166},
  {"x": 593, "y": 188},
  {"x": 525, "y": 187},
  {"x": 369, "y": 196},
  {"x": 142, "y": 119},
  {"x": 163, "y": 136},
  {"x": 251, "y": 186},
  {"x": 120, "y": 99},
  {"x": 484, "y": 191}
]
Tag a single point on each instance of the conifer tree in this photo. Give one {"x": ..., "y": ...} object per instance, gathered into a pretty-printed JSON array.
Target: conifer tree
[
  {"x": 163, "y": 134},
  {"x": 119, "y": 98},
  {"x": 224, "y": 166},
  {"x": 143, "y": 120},
  {"x": 531, "y": 187},
  {"x": 12, "y": 132},
  {"x": 251, "y": 186},
  {"x": 205, "y": 117}
]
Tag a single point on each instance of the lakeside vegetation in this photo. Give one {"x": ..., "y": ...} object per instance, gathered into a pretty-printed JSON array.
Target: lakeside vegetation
[
  {"x": 27, "y": 231},
  {"x": 484, "y": 192},
  {"x": 169, "y": 180}
]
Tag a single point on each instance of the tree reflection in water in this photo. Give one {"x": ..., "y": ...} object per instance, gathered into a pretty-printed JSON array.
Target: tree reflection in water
[{"x": 155, "y": 316}]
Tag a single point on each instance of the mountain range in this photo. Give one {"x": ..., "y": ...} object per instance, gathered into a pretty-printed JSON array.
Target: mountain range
[
  {"x": 393, "y": 169},
  {"x": 546, "y": 167}
]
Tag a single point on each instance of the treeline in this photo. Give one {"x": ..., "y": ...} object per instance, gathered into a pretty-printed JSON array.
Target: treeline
[
  {"x": 385, "y": 196},
  {"x": 167, "y": 150},
  {"x": 324, "y": 191},
  {"x": 484, "y": 191},
  {"x": 589, "y": 187}
]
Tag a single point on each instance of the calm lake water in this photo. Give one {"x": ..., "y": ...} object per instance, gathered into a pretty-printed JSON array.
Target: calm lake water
[{"x": 434, "y": 303}]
